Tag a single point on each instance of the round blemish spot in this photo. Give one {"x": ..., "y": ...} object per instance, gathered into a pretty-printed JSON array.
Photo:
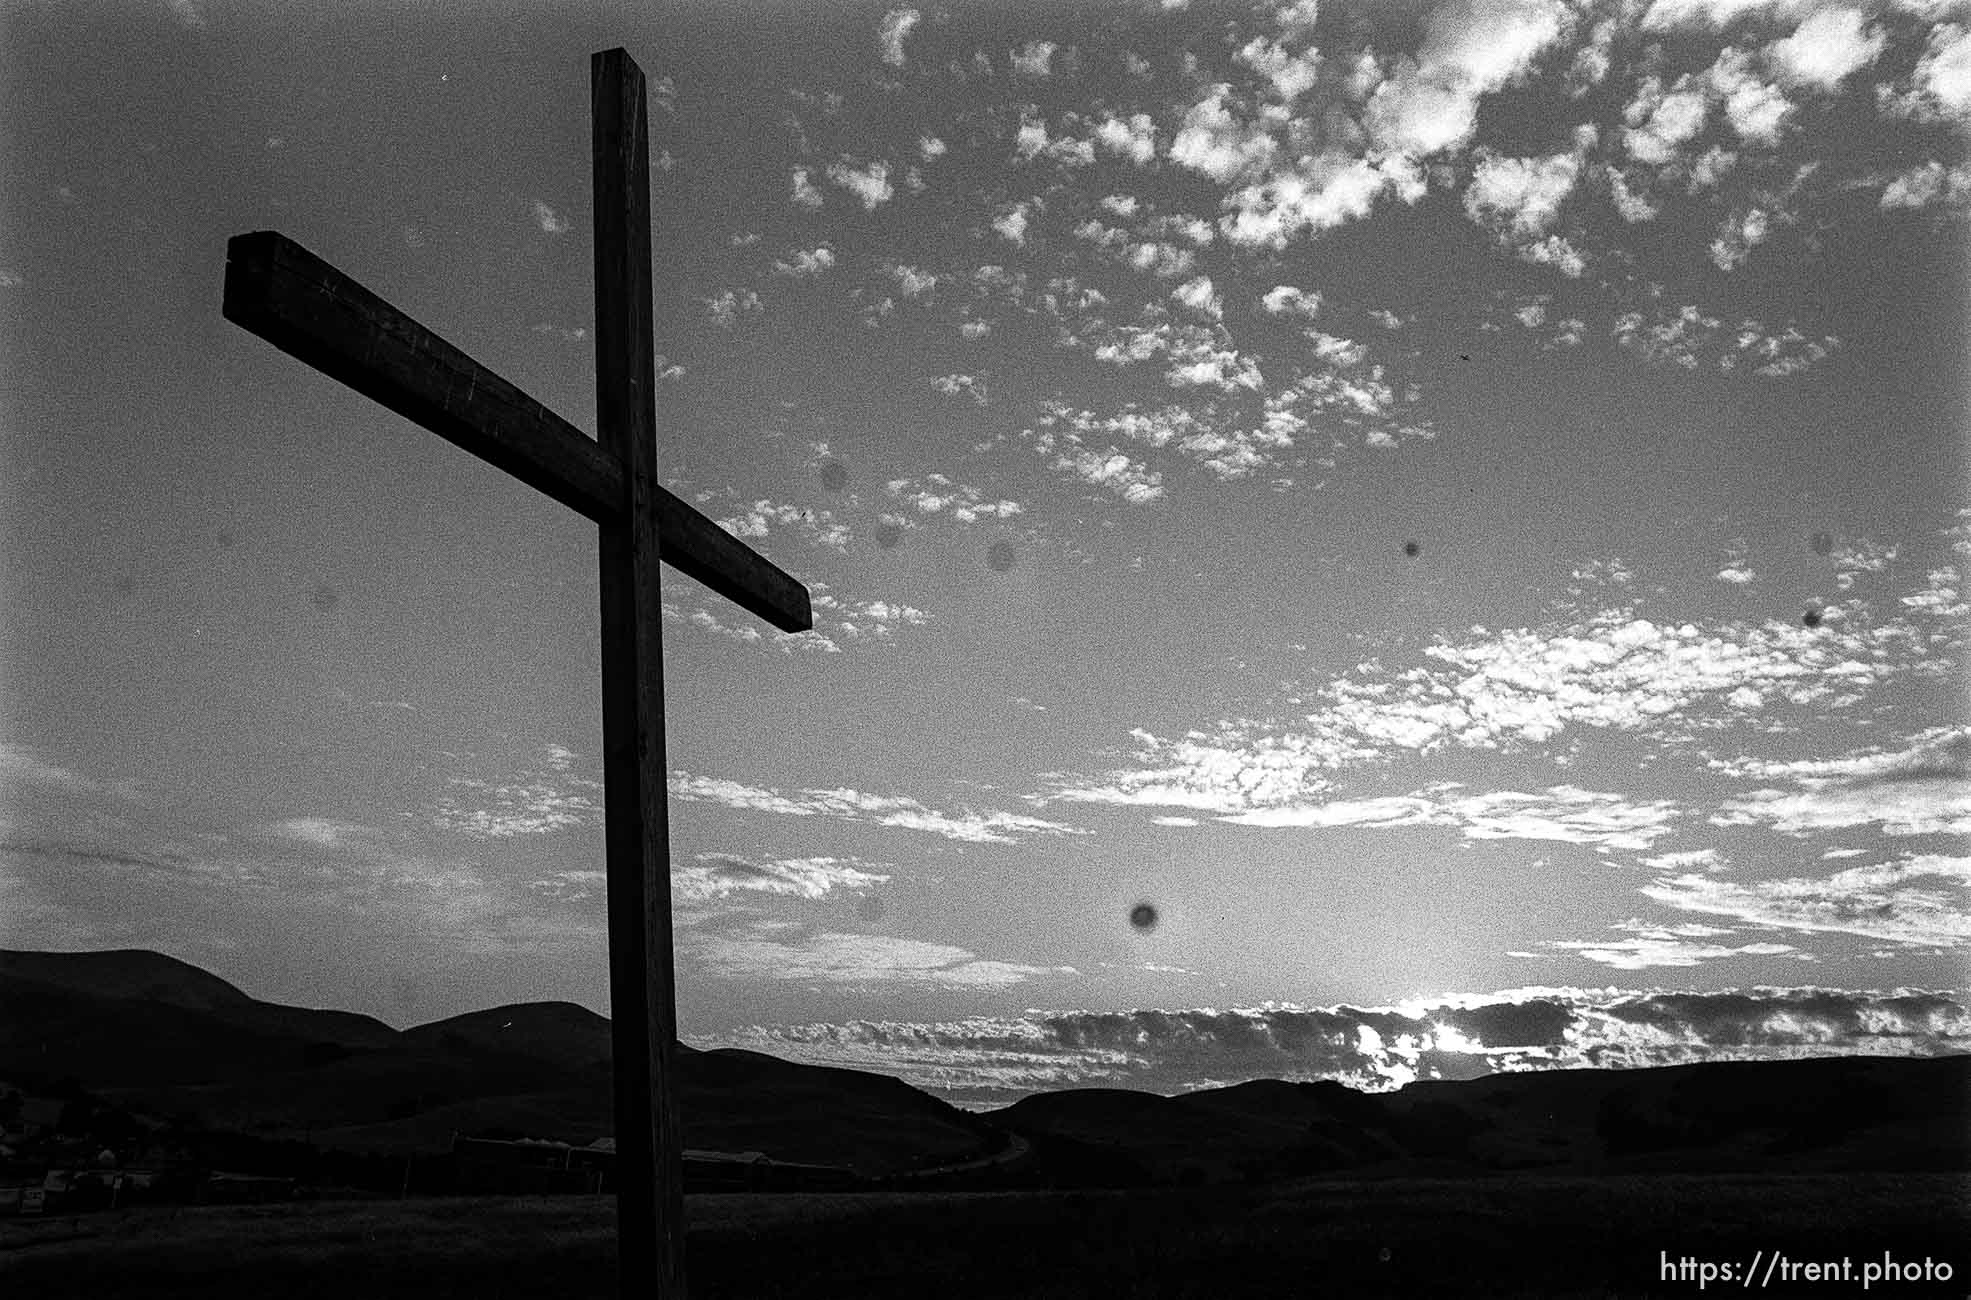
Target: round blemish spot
[
  {"x": 1412, "y": 550},
  {"x": 1811, "y": 618},
  {"x": 888, "y": 535},
  {"x": 1144, "y": 917},
  {"x": 1000, "y": 556},
  {"x": 834, "y": 475},
  {"x": 1823, "y": 543}
]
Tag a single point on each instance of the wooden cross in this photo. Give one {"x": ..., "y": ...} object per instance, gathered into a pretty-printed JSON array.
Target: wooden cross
[{"x": 307, "y": 308}]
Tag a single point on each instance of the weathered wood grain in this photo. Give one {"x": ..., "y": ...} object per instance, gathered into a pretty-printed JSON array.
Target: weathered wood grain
[
  {"x": 280, "y": 291},
  {"x": 642, "y": 993}
]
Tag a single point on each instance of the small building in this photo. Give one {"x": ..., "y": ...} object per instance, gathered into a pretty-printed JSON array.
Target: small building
[{"x": 523, "y": 1165}]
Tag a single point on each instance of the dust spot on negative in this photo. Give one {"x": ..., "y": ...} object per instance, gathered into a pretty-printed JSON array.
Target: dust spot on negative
[
  {"x": 869, "y": 908},
  {"x": 1412, "y": 550},
  {"x": 1144, "y": 917},
  {"x": 323, "y": 597},
  {"x": 888, "y": 535},
  {"x": 834, "y": 475},
  {"x": 1823, "y": 543},
  {"x": 1001, "y": 556},
  {"x": 1811, "y": 618},
  {"x": 225, "y": 540}
]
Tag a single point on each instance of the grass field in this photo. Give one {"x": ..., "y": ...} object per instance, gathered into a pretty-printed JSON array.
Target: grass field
[{"x": 1534, "y": 1236}]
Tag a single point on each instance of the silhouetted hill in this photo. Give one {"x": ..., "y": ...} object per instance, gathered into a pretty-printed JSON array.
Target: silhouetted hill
[
  {"x": 124, "y": 973},
  {"x": 1822, "y": 1115},
  {"x": 205, "y": 1054},
  {"x": 560, "y": 1032},
  {"x": 163, "y": 1037},
  {"x": 129, "y": 1018}
]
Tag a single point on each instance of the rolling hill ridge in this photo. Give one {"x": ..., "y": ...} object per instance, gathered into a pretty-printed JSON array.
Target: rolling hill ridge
[{"x": 164, "y": 1038}]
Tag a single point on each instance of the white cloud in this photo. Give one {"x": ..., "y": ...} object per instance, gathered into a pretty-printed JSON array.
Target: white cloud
[
  {"x": 1292, "y": 73},
  {"x": 937, "y": 494},
  {"x": 1319, "y": 192},
  {"x": 913, "y": 282},
  {"x": 1112, "y": 470},
  {"x": 502, "y": 811},
  {"x": 1197, "y": 294},
  {"x": 761, "y": 518},
  {"x": 1012, "y": 223},
  {"x": 869, "y": 182},
  {"x": 325, "y": 832},
  {"x": 805, "y": 193},
  {"x": 807, "y": 262},
  {"x": 812, "y": 641},
  {"x": 1227, "y": 449},
  {"x": 1945, "y": 70},
  {"x": 1035, "y": 59},
  {"x": 1669, "y": 14},
  {"x": 1216, "y": 142},
  {"x": 21, "y": 765},
  {"x": 1285, "y": 298},
  {"x": 1917, "y": 901},
  {"x": 1634, "y": 206},
  {"x": 1661, "y": 122},
  {"x": 1656, "y": 947},
  {"x": 1741, "y": 232},
  {"x": 890, "y": 34},
  {"x": 1755, "y": 109},
  {"x": 993, "y": 1060},
  {"x": 1134, "y": 137},
  {"x": 1527, "y": 687},
  {"x": 1562, "y": 813},
  {"x": 574, "y": 886},
  {"x": 729, "y": 305},
  {"x": 836, "y": 958},
  {"x": 991, "y": 827},
  {"x": 1683, "y": 859},
  {"x": 1828, "y": 46},
  {"x": 716, "y": 875},
  {"x": 550, "y": 221},
  {"x": 1924, "y": 184},
  {"x": 1519, "y": 199},
  {"x": 1470, "y": 48},
  {"x": 1923, "y": 806}
]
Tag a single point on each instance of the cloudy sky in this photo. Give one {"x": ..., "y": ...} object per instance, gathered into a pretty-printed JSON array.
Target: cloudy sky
[{"x": 1460, "y": 507}]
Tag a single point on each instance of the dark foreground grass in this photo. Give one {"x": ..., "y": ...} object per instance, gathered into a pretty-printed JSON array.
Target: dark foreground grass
[{"x": 1533, "y": 1236}]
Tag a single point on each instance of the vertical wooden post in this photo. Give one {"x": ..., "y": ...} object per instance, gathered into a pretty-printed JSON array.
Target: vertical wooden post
[{"x": 643, "y": 1011}]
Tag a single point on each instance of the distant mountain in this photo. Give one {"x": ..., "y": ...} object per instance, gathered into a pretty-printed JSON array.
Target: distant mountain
[
  {"x": 124, "y": 973},
  {"x": 203, "y": 1052},
  {"x": 127, "y": 1018},
  {"x": 1821, "y": 1115},
  {"x": 560, "y": 1032},
  {"x": 163, "y": 1037}
]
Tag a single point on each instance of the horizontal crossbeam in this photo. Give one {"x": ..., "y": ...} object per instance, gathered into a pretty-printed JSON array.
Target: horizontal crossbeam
[{"x": 280, "y": 291}]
